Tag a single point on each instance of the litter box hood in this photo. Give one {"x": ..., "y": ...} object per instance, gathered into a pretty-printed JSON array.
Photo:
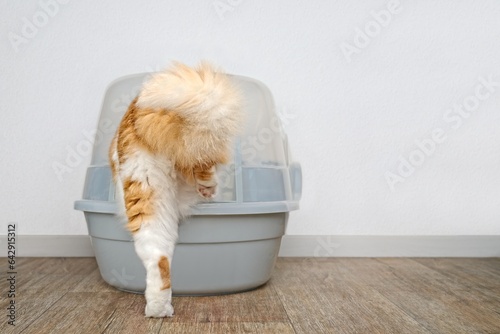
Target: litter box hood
[{"x": 262, "y": 178}]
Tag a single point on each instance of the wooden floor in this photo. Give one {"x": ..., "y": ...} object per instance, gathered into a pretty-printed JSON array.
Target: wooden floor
[{"x": 320, "y": 295}]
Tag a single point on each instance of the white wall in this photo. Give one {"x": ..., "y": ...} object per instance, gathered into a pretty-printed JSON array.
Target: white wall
[{"x": 349, "y": 118}]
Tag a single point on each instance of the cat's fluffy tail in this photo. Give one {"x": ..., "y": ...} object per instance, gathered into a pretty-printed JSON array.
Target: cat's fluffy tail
[{"x": 202, "y": 95}]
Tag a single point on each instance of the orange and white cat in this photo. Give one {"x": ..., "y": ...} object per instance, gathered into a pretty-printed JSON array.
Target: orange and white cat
[{"x": 163, "y": 158}]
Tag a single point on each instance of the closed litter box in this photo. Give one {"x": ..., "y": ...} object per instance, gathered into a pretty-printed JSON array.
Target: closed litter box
[{"x": 228, "y": 245}]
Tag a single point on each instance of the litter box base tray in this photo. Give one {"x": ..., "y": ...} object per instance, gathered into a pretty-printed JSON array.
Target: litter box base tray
[{"x": 222, "y": 262}]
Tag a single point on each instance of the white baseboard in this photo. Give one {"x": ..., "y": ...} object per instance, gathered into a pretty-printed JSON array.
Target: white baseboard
[
  {"x": 50, "y": 246},
  {"x": 296, "y": 246},
  {"x": 390, "y": 246}
]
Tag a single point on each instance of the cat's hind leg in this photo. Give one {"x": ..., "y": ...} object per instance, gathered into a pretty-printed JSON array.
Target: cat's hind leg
[
  {"x": 149, "y": 195},
  {"x": 156, "y": 253}
]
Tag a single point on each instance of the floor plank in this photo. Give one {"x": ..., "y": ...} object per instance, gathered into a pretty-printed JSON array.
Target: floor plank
[
  {"x": 128, "y": 317},
  {"x": 436, "y": 302},
  {"x": 32, "y": 269},
  {"x": 312, "y": 295},
  {"x": 476, "y": 272},
  {"x": 77, "y": 312},
  {"x": 260, "y": 305},
  {"x": 323, "y": 297},
  {"x": 227, "y": 327},
  {"x": 40, "y": 283}
]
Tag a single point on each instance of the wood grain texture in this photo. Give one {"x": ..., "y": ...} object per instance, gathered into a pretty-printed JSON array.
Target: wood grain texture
[
  {"x": 305, "y": 295},
  {"x": 40, "y": 284},
  {"x": 438, "y": 303},
  {"x": 322, "y": 296},
  {"x": 227, "y": 327}
]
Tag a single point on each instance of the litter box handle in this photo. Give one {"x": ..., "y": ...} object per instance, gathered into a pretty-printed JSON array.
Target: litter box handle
[{"x": 296, "y": 180}]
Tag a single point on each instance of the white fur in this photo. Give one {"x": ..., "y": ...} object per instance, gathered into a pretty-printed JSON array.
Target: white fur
[
  {"x": 157, "y": 237},
  {"x": 205, "y": 97}
]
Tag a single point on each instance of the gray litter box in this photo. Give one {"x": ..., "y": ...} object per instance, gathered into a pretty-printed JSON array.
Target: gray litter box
[{"x": 228, "y": 245}]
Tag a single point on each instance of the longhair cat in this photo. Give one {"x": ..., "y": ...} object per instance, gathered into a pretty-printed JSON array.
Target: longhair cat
[{"x": 163, "y": 158}]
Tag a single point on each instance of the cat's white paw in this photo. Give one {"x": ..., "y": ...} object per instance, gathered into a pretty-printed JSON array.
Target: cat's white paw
[
  {"x": 157, "y": 310},
  {"x": 206, "y": 189},
  {"x": 206, "y": 192}
]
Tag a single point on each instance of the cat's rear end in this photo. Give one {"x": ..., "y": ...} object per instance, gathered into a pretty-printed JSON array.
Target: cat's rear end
[{"x": 163, "y": 158}]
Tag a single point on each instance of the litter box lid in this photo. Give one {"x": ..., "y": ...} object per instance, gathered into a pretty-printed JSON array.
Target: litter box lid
[{"x": 261, "y": 178}]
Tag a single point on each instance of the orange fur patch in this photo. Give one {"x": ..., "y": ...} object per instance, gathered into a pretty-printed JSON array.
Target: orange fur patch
[
  {"x": 164, "y": 272},
  {"x": 199, "y": 172},
  {"x": 127, "y": 137},
  {"x": 138, "y": 203},
  {"x": 203, "y": 173},
  {"x": 110, "y": 158}
]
